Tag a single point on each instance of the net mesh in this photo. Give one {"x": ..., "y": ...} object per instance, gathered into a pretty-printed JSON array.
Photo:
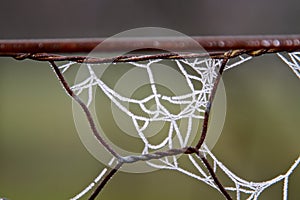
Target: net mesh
[
  {"x": 193, "y": 103},
  {"x": 292, "y": 60},
  {"x": 197, "y": 72}
]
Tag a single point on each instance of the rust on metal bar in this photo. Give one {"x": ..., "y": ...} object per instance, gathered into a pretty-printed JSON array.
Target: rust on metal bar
[{"x": 209, "y": 43}]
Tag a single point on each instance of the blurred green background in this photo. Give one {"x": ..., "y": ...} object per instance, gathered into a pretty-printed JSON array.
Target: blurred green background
[{"x": 41, "y": 156}]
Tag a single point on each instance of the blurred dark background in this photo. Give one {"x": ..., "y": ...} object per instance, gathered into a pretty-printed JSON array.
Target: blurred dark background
[
  {"x": 41, "y": 156},
  {"x": 104, "y": 18}
]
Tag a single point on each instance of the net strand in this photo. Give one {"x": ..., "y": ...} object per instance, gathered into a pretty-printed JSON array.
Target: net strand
[
  {"x": 134, "y": 58},
  {"x": 85, "y": 109},
  {"x": 210, "y": 101},
  {"x": 293, "y": 61}
]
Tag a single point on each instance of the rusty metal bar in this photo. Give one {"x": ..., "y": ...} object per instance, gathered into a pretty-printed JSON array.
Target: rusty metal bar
[{"x": 209, "y": 43}]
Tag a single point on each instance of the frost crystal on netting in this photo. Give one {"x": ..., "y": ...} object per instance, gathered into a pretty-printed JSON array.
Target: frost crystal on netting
[
  {"x": 292, "y": 60},
  {"x": 199, "y": 76},
  {"x": 196, "y": 72},
  {"x": 237, "y": 61}
]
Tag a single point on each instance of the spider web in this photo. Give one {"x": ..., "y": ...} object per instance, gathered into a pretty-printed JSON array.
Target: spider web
[{"x": 193, "y": 105}]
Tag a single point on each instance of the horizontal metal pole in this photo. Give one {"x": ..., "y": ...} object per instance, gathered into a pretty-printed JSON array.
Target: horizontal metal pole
[{"x": 209, "y": 43}]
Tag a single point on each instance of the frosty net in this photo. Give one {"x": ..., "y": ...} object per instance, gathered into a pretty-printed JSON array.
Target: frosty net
[
  {"x": 194, "y": 108},
  {"x": 202, "y": 76}
]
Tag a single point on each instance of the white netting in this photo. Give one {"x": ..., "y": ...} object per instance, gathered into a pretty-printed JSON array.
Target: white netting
[
  {"x": 192, "y": 103},
  {"x": 292, "y": 60},
  {"x": 193, "y": 106}
]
